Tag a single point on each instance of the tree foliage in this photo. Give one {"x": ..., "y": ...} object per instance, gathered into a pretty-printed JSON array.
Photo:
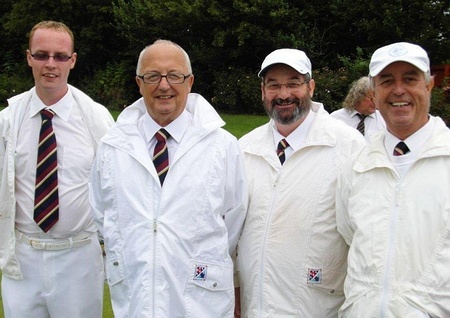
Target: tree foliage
[{"x": 226, "y": 40}]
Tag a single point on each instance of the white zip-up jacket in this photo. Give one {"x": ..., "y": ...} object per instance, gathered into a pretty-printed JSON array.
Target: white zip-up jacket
[
  {"x": 291, "y": 259},
  {"x": 168, "y": 249},
  {"x": 398, "y": 231},
  {"x": 98, "y": 121}
]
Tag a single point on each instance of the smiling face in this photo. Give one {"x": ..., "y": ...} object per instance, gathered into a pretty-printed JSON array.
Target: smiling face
[
  {"x": 402, "y": 96},
  {"x": 287, "y": 106},
  {"x": 51, "y": 77},
  {"x": 164, "y": 101}
]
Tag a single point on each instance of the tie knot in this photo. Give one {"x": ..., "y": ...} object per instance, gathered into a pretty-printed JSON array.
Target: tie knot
[
  {"x": 162, "y": 135},
  {"x": 401, "y": 149},
  {"x": 47, "y": 114},
  {"x": 361, "y": 116},
  {"x": 283, "y": 144}
]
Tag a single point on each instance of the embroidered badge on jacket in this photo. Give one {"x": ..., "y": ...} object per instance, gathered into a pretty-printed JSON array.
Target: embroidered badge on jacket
[
  {"x": 314, "y": 275},
  {"x": 200, "y": 272}
]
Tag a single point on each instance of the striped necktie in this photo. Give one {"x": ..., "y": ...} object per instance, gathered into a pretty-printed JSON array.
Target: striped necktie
[
  {"x": 282, "y": 145},
  {"x": 161, "y": 155},
  {"x": 46, "y": 201},
  {"x": 361, "y": 126},
  {"x": 401, "y": 149}
]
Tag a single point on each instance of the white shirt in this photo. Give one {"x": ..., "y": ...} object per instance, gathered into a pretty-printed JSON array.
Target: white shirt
[
  {"x": 415, "y": 143},
  {"x": 295, "y": 138},
  {"x": 75, "y": 151},
  {"x": 148, "y": 128},
  {"x": 372, "y": 124}
]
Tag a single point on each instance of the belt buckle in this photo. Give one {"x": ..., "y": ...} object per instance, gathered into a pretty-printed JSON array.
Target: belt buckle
[{"x": 35, "y": 244}]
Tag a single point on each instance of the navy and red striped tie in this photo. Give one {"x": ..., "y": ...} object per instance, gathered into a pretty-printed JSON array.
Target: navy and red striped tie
[
  {"x": 161, "y": 154},
  {"x": 282, "y": 145},
  {"x": 401, "y": 149},
  {"x": 46, "y": 201}
]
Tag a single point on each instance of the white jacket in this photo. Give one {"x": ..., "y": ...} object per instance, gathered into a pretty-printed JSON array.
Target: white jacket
[
  {"x": 159, "y": 241},
  {"x": 98, "y": 120},
  {"x": 291, "y": 259},
  {"x": 398, "y": 231}
]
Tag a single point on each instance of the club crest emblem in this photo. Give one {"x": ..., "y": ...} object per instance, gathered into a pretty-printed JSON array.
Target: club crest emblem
[
  {"x": 200, "y": 272},
  {"x": 314, "y": 276}
]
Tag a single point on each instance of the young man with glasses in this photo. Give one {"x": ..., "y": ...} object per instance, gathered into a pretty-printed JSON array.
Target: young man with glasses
[
  {"x": 291, "y": 260},
  {"x": 50, "y": 256},
  {"x": 169, "y": 197}
]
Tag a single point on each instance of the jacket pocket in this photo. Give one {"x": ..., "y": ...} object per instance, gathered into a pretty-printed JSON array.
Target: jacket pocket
[
  {"x": 209, "y": 291},
  {"x": 327, "y": 280},
  {"x": 114, "y": 271},
  {"x": 5, "y": 210}
]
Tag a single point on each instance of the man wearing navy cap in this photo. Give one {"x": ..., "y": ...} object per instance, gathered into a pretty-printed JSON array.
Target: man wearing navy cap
[
  {"x": 291, "y": 260},
  {"x": 393, "y": 202}
]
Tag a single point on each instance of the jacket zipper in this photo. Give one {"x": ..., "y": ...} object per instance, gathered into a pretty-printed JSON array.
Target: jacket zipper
[
  {"x": 261, "y": 268},
  {"x": 155, "y": 229},
  {"x": 391, "y": 252}
]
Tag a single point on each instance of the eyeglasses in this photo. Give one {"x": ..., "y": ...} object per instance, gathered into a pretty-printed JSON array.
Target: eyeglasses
[
  {"x": 45, "y": 56},
  {"x": 155, "y": 78},
  {"x": 290, "y": 86}
]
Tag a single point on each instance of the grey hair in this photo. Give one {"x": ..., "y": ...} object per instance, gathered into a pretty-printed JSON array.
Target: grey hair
[
  {"x": 427, "y": 75},
  {"x": 359, "y": 90},
  {"x": 166, "y": 42}
]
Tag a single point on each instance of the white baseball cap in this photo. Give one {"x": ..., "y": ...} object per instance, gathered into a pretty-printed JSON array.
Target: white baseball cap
[
  {"x": 402, "y": 51},
  {"x": 294, "y": 58}
]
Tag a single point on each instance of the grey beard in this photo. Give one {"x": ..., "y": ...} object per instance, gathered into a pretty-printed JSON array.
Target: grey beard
[{"x": 301, "y": 110}]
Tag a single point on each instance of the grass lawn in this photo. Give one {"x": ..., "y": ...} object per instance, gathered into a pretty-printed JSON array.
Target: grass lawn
[{"x": 238, "y": 125}]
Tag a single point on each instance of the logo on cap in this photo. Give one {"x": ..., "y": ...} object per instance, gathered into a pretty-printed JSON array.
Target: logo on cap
[{"x": 398, "y": 50}]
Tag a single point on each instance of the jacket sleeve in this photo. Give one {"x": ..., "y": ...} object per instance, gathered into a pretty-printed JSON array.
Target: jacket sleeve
[
  {"x": 95, "y": 191},
  {"x": 342, "y": 197},
  {"x": 235, "y": 199}
]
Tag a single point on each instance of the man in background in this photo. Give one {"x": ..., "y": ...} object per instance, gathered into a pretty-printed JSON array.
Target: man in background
[{"x": 359, "y": 110}]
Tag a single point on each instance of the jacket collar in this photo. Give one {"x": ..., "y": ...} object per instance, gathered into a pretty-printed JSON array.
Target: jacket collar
[
  {"x": 124, "y": 135},
  {"x": 374, "y": 155},
  {"x": 261, "y": 139}
]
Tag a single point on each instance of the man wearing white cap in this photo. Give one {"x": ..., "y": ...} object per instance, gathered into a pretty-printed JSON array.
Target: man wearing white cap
[
  {"x": 291, "y": 259},
  {"x": 393, "y": 202}
]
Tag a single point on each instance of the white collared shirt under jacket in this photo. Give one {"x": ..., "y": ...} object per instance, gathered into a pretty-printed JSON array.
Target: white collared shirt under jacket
[
  {"x": 168, "y": 249},
  {"x": 291, "y": 259},
  {"x": 97, "y": 119},
  {"x": 398, "y": 230},
  {"x": 373, "y": 123}
]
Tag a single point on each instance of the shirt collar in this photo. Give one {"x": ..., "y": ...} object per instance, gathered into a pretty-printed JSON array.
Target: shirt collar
[
  {"x": 414, "y": 142},
  {"x": 61, "y": 108},
  {"x": 295, "y": 138},
  {"x": 176, "y": 128},
  {"x": 354, "y": 112}
]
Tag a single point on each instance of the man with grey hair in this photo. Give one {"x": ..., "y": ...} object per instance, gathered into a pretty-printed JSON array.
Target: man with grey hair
[
  {"x": 169, "y": 194},
  {"x": 291, "y": 260},
  {"x": 393, "y": 202},
  {"x": 359, "y": 110}
]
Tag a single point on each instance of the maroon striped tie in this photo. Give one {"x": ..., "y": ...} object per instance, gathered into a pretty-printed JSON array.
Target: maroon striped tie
[
  {"x": 46, "y": 202},
  {"x": 401, "y": 149},
  {"x": 282, "y": 145},
  {"x": 161, "y": 155}
]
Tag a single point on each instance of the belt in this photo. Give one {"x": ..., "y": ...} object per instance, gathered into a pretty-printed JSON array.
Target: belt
[{"x": 55, "y": 244}]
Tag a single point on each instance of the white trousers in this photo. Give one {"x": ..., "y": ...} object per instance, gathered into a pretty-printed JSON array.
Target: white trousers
[{"x": 56, "y": 284}]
